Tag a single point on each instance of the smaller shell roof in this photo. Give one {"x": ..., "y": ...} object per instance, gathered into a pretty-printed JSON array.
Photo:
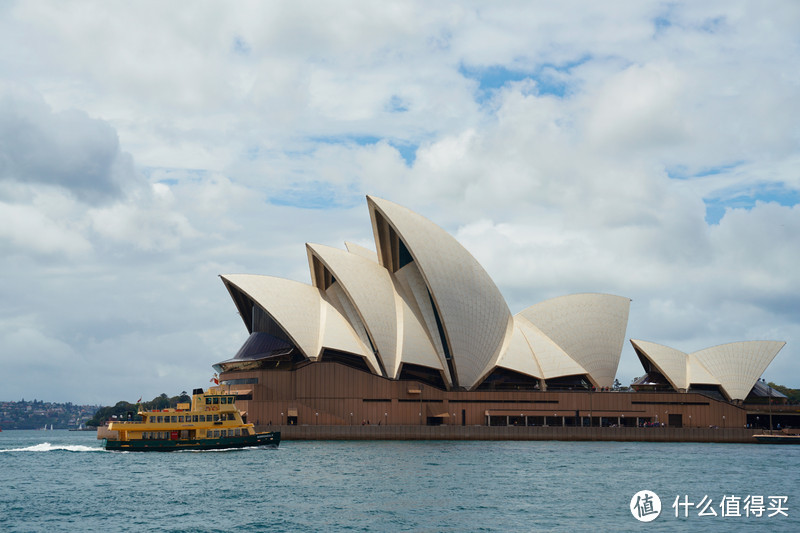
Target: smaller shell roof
[
  {"x": 369, "y": 287},
  {"x": 590, "y": 327},
  {"x": 671, "y": 363},
  {"x": 735, "y": 366},
  {"x": 739, "y": 364},
  {"x": 304, "y": 314},
  {"x": 551, "y": 359}
]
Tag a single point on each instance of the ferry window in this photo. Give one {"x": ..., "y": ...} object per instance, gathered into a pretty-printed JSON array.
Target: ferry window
[
  {"x": 160, "y": 419},
  {"x": 208, "y": 401},
  {"x": 216, "y": 400},
  {"x": 180, "y": 418},
  {"x": 174, "y": 419},
  {"x": 194, "y": 418},
  {"x": 202, "y": 418},
  {"x": 222, "y": 433},
  {"x": 216, "y": 418}
]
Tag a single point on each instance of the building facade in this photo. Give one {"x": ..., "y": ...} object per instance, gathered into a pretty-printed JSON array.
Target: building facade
[{"x": 416, "y": 332}]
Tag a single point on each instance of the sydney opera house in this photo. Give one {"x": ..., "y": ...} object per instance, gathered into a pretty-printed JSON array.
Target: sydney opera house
[{"x": 417, "y": 333}]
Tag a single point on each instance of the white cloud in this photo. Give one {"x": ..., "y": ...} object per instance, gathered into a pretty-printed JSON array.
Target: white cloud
[{"x": 259, "y": 127}]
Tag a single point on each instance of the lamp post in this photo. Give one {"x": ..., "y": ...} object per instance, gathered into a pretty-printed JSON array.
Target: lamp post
[{"x": 770, "y": 409}]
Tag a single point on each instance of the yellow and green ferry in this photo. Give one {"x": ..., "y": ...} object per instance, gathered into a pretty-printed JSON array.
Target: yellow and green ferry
[{"x": 210, "y": 422}]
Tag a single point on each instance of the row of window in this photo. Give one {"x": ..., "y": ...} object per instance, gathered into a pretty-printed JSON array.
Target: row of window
[
  {"x": 216, "y": 433},
  {"x": 155, "y": 435},
  {"x": 213, "y": 400},
  {"x": 225, "y": 432},
  {"x": 179, "y": 419}
]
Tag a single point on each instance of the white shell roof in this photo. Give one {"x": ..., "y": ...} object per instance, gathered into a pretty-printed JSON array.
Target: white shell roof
[
  {"x": 672, "y": 363},
  {"x": 735, "y": 367},
  {"x": 369, "y": 287},
  {"x": 357, "y": 249},
  {"x": 589, "y": 327},
  {"x": 739, "y": 364},
  {"x": 302, "y": 311},
  {"x": 553, "y": 361},
  {"x": 518, "y": 355},
  {"x": 474, "y": 315}
]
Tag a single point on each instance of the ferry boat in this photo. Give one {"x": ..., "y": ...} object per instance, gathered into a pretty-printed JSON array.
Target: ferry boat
[
  {"x": 210, "y": 422},
  {"x": 781, "y": 438}
]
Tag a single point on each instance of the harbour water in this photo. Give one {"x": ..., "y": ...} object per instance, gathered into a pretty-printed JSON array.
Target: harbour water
[{"x": 64, "y": 481}]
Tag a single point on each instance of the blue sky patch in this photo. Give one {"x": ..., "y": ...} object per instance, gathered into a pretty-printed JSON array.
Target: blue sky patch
[
  {"x": 314, "y": 195},
  {"x": 360, "y": 140},
  {"x": 681, "y": 172},
  {"x": 662, "y": 23},
  {"x": 407, "y": 149},
  {"x": 240, "y": 46},
  {"x": 550, "y": 78},
  {"x": 397, "y": 105},
  {"x": 766, "y": 193}
]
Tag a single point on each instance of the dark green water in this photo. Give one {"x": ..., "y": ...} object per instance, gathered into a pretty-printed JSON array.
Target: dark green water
[{"x": 63, "y": 481}]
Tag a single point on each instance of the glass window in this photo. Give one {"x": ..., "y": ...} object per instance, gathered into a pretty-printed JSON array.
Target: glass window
[
  {"x": 216, "y": 400},
  {"x": 208, "y": 401},
  {"x": 180, "y": 418},
  {"x": 174, "y": 419},
  {"x": 160, "y": 419},
  {"x": 194, "y": 418},
  {"x": 216, "y": 418},
  {"x": 202, "y": 418}
]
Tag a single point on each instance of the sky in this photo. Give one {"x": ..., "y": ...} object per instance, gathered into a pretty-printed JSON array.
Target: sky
[{"x": 643, "y": 149}]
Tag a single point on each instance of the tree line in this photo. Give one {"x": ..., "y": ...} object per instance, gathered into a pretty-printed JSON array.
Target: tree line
[{"x": 123, "y": 410}]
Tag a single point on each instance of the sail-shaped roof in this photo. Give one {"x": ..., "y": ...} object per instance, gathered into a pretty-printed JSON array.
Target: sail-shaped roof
[
  {"x": 472, "y": 314},
  {"x": 735, "y": 366}
]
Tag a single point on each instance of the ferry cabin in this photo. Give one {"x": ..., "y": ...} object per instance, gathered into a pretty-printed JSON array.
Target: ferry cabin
[{"x": 211, "y": 415}]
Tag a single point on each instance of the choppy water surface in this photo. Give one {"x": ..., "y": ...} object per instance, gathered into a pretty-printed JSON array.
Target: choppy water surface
[{"x": 63, "y": 481}]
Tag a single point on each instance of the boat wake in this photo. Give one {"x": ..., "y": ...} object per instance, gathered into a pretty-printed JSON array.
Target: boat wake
[{"x": 47, "y": 447}]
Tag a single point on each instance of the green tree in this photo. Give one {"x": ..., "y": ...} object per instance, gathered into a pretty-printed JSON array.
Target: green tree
[{"x": 792, "y": 394}]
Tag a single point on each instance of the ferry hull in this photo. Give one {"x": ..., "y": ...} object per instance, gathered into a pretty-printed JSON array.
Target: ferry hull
[
  {"x": 271, "y": 440},
  {"x": 778, "y": 439}
]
